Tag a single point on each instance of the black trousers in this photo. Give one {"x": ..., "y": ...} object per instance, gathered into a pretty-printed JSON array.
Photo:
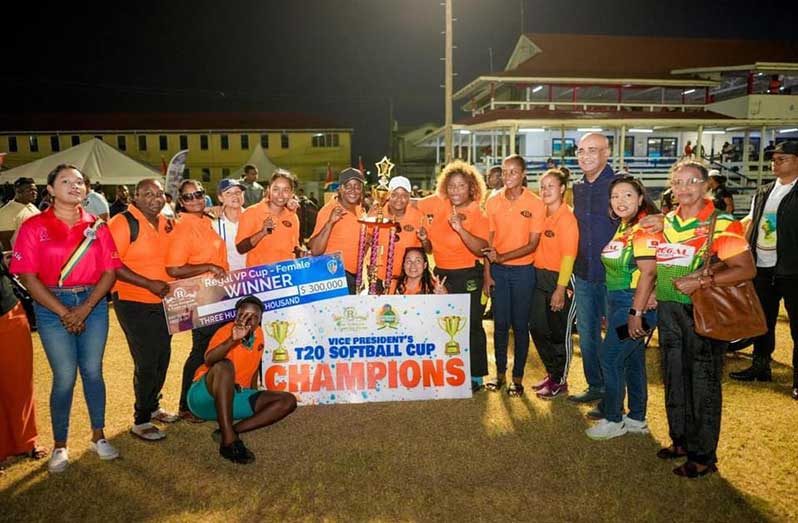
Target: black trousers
[
  {"x": 469, "y": 281},
  {"x": 551, "y": 330},
  {"x": 692, "y": 370},
  {"x": 150, "y": 344},
  {"x": 771, "y": 290},
  {"x": 200, "y": 338}
]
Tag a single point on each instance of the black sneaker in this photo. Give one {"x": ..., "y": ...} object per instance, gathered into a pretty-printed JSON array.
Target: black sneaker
[{"x": 237, "y": 453}]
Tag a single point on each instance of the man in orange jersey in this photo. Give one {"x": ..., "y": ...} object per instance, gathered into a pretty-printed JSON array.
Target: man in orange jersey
[
  {"x": 337, "y": 228},
  {"x": 141, "y": 236},
  {"x": 225, "y": 386}
]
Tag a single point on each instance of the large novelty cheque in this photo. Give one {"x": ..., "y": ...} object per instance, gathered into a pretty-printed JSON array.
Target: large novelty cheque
[
  {"x": 204, "y": 300},
  {"x": 370, "y": 348}
]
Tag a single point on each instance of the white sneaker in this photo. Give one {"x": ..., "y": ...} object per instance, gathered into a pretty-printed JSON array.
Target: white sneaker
[
  {"x": 634, "y": 426},
  {"x": 105, "y": 450},
  {"x": 164, "y": 416},
  {"x": 59, "y": 460},
  {"x": 606, "y": 429}
]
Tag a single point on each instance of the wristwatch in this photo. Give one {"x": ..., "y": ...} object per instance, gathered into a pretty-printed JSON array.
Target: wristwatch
[{"x": 635, "y": 312}]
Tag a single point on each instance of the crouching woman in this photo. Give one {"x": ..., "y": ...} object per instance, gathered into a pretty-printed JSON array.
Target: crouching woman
[{"x": 225, "y": 386}]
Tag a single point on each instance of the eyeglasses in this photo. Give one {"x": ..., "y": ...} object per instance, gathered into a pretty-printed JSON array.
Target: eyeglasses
[
  {"x": 689, "y": 182},
  {"x": 188, "y": 196}
]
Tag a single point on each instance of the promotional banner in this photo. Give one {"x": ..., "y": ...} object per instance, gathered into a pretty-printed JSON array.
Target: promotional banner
[
  {"x": 204, "y": 300},
  {"x": 370, "y": 348},
  {"x": 174, "y": 173}
]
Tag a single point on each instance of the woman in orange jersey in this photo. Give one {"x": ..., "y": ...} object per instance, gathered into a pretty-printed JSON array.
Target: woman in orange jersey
[
  {"x": 416, "y": 277},
  {"x": 552, "y": 312},
  {"x": 458, "y": 230},
  {"x": 194, "y": 249},
  {"x": 268, "y": 231}
]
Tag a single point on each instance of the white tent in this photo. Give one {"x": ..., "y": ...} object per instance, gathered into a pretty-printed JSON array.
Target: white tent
[
  {"x": 95, "y": 158},
  {"x": 259, "y": 159}
]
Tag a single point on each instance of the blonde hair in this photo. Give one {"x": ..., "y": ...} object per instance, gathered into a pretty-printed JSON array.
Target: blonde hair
[{"x": 476, "y": 183}]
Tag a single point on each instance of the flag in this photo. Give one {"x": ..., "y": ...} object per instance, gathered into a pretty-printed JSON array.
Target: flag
[
  {"x": 2, "y": 158},
  {"x": 329, "y": 174},
  {"x": 360, "y": 166},
  {"x": 164, "y": 166}
]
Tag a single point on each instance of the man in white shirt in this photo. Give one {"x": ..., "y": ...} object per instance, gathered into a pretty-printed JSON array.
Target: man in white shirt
[
  {"x": 95, "y": 203},
  {"x": 231, "y": 196},
  {"x": 17, "y": 210},
  {"x": 253, "y": 191},
  {"x": 773, "y": 238}
]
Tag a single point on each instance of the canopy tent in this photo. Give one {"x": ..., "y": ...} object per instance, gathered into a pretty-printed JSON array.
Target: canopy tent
[
  {"x": 259, "y": 159},
  {"x": 95, "y": 158}
]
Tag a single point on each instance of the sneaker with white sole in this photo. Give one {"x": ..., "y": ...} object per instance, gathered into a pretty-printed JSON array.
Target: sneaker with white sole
[
  {"x": 542, "y": 383},
  {"x": 606, "y": 429},
  {"x": 164, "y": 416},
  {"x": 59, "y": 460},
  {"x": 105, "y": 450},
  {"x": 553, "y": 390},
  {"x": 637, "y": 427}
]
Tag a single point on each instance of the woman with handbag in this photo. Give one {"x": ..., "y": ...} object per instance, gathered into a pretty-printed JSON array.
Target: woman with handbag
[
  {"x": 67, "y": 260},
  {"x": 693, "y": 363}
]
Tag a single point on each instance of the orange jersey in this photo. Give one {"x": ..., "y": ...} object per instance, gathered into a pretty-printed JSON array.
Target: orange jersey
[
  {"x": 274, "y": 247},
  {"x": 146, "y": 256},
  {"x": 344, "y": 236},
  {"x": 513, "y": 221},
  {"x": 193, "y": 241},
  {"x": 447, "y": 247},
  {"x": 406, "y": 233},
  {"x": 559, "y": 239},
  {"x": 245, "y": 359}
]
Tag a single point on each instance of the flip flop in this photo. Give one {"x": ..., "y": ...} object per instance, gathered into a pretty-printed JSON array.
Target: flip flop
[{"x": 147, "y": 432}]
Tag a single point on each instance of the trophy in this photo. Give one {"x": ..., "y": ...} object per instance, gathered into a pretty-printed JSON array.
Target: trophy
[
  {"x": 379, "y": 195},
  {"x": 451, "y": 325},
  {"x": 280, "y": 330}
]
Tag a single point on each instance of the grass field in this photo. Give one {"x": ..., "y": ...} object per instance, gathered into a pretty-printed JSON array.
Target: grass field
[{"x": 489, "y": 458}]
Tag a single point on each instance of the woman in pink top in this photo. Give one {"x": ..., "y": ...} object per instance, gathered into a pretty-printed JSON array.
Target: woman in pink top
[{"x": 67, "y": 260}]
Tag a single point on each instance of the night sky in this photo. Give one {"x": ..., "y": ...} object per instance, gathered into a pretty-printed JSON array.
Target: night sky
[{"x": 349, "y": 60}]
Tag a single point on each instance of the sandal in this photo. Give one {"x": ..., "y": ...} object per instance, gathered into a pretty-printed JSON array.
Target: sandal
[
  {"x": 37, "y": 453},
  {"x": 495, "y": 384},
  {"x": 515, "y": 390},
  {"x": 672, "y": 452},
  {"x": 187, "y": 415},
  {"x": 147, "y": 432}
]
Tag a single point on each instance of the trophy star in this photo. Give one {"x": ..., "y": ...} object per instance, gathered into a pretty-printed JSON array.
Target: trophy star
[{"x": 384, "y": 167}]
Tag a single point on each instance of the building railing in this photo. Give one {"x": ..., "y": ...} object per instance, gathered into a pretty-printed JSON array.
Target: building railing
[{"x": 493, "y": 105}]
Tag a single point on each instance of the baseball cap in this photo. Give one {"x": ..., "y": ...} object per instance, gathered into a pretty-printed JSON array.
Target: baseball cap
[
  {"x": 350, "y": 173},
  {"x": 397, "y": 182},
  {"x": 19, "y": 182},
  {"x": 790, "y": 147},
  {"x": 227, "y": 183}
]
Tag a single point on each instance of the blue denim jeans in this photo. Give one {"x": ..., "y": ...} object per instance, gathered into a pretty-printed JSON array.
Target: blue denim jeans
[
  {"x": 591, "y": 305},
  {"x": 68, "y": 353},
  {"x": 623, "y": 362},
  {"x": 512, "y": 297}
]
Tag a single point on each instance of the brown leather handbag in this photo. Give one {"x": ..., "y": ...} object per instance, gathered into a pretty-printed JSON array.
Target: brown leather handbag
[{"x": 726, "y": 313}]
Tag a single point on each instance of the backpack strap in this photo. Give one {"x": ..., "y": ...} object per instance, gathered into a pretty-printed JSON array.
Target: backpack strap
[{"x": 133, "y": 224}]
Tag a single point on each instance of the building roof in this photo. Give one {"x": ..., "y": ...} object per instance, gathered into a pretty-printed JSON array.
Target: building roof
[
  {"x": 603, "y": 56},
  {"x": 62, "y": 122}
]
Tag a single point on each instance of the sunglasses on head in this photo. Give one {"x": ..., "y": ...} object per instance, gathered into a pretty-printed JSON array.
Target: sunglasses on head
[{"x": 188, "y": 196}]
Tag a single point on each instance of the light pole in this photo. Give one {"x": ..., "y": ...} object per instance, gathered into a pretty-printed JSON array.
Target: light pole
[{"x": 447, "y": 133}]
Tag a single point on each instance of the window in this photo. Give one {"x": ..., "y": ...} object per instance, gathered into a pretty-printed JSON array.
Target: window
[
  {"x": 75, "y": 140},
  {"x": 183, "y": 142},
  {"x": 325, "y": 140},
  {"x": 55, "y": 145},
  {"x": 33, "y": 143},
  {"x": 163, "y": 144},
  {"x": 225, "y": 172},
  {"x": 204, "y": 142},
  {"x": 264, "y": 141},
  {"x": 661, "y": 148},
  {"x": 753, "y": 148},
  {"x": 186, "y": 173},
  {"x": 225, "y": 140},
  {"x": 628, "y": 145},
  {"x": 206, "y": 175},
  {"x": 121, "y": 142},
  {"x": 244, "y": 142},
  {"x": 284, "y": 141},
  {"x": 142, "y": 142},
  {"x": 557, "y": 148},
  {"x": 12, "y": 144}
]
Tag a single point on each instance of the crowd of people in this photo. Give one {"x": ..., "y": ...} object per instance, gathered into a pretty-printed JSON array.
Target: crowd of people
[{"x": 612, "y": 265}]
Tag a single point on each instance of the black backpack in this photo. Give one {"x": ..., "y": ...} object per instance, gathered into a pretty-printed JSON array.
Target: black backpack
[{"x": 133, "y": 223}]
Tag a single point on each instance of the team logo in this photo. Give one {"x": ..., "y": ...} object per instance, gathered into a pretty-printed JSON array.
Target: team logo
[
  {"x": 429, "y": 218},
  {"x": 612, "y": 250},
  {"x": 408, "y": 228},
  {"x": 286, "y": 223},
  {"x": 43, "y": 236},
  {"x": 387, "y": 318},
  {"x": 526, "y": 214},
  {"x": 675, "y": 254},
  {"x": 350, "y": 320},
  {"x": 332, "y": 266},
  {"x": 548, "y": 234}
]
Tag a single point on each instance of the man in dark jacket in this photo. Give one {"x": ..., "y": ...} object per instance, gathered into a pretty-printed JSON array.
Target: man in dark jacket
[{"x": 773, "y": 237}]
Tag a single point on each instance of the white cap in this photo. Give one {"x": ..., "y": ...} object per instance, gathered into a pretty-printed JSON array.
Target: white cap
[{"x": 397, "y": 182}]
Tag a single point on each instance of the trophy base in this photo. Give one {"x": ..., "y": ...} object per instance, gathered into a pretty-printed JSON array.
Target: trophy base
[
  {"x": 280, "y": 356},
  {"x": 452, "y": 348},
  {"x": 372, "y": 220}
]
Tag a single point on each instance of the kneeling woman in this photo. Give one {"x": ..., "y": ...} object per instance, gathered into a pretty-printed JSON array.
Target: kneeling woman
[
  {"x": 224, "y": 387},
  {"x": 631, "y": 269},
  {"x": 416, "y": 277}
]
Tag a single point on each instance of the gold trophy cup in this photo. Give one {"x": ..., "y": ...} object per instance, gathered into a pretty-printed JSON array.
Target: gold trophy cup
[
  {"x": 451, "y": 325},
  {"x": 280, "y": 330}
]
